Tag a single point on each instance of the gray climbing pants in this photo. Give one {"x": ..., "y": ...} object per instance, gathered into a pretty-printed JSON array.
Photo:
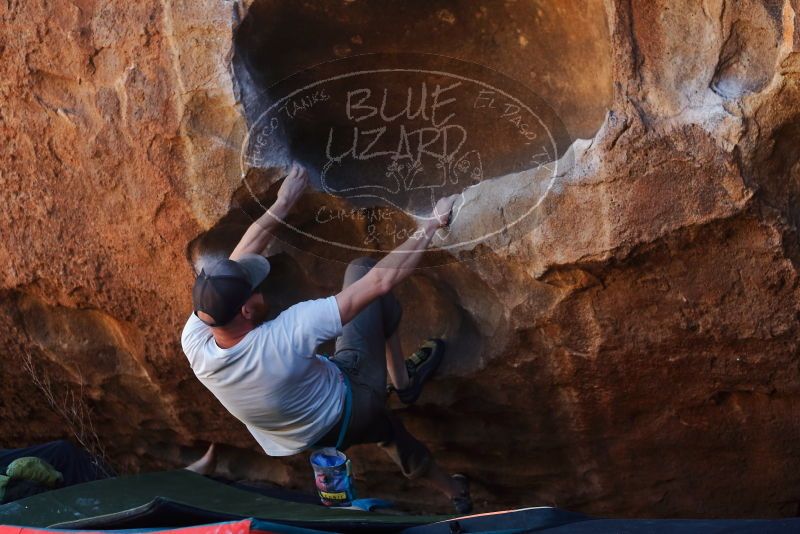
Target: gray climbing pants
[{"x": 361, "y": 355}]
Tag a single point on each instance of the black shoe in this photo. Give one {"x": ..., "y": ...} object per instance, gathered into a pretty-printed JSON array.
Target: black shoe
[
  {"x": 420, "y": 366},
  {"x": 462, "y": 502}
]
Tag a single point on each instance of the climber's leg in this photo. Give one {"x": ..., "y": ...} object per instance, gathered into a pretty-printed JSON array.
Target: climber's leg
[
  {"x": 396, "y": 362},
  {"x": 361, "y": 349}
]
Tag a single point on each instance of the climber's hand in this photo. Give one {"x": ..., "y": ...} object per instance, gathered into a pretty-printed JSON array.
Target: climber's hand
[
  {"x": 260, "y": 233},
  {"x": 443, "y": 211},
  {"x": 292, "y": 187}
]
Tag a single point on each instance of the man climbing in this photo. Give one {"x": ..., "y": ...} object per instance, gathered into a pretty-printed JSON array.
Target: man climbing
[{"x": 267, "y": 374}]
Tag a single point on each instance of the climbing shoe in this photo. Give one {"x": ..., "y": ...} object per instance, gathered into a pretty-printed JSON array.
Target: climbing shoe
[
  {"x": 420, "y": 366},
  {"x": 462, "y": 502}
]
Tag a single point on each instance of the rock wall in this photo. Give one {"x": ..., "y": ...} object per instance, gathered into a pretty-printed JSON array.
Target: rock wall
[{"x": 632, "y": 352}]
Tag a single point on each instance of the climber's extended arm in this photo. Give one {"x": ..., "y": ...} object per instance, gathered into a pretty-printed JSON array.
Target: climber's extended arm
[
  {"x": 394, "y": 267},
  {"x": 260, "y": 233}
]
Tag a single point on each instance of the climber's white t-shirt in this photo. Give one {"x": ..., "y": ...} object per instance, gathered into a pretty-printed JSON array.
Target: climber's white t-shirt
[{"x": 272, "y": 380}]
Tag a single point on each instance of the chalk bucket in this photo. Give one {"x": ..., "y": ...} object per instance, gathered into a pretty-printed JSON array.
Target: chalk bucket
[{"x": 332, "y": 475}]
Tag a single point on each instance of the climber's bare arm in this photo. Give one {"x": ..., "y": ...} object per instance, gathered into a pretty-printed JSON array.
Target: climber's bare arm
[
  {"x": 394, "y": 267},
  {"x": 260, "y": 233}
]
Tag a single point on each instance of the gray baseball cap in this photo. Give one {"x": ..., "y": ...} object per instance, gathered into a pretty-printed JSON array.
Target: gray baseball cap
[{"x": 223, "y": 287}]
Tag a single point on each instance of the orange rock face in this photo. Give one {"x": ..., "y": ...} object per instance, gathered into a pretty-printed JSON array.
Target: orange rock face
[{"x": 630, "y": 350}]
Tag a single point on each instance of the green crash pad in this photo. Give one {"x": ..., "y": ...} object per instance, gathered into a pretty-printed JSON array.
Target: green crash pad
[{"x": 112, "y": 495}]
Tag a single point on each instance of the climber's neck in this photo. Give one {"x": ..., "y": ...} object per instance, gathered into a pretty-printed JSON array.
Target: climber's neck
[{"x": 231, "y": 334}]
